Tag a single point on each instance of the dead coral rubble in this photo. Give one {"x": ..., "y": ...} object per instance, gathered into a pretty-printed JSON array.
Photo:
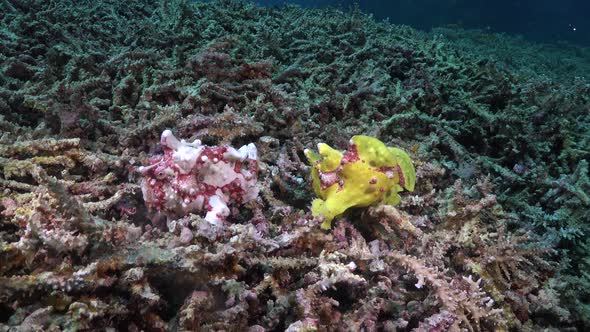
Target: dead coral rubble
[{"x": 87, "y": 87}]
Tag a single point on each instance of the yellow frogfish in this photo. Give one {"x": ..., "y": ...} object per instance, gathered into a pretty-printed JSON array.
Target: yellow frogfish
[{"x": 369, "y": 172}]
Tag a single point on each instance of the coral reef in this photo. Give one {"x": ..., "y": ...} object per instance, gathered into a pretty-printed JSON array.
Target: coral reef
[{"x": 494, "y": 236}]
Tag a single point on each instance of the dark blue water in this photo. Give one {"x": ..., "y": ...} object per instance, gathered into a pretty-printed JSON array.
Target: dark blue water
[{"x": 540, "y": 20}]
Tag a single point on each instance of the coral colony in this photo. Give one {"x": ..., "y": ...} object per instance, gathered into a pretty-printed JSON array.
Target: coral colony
[{"x": 158, "y": 172}]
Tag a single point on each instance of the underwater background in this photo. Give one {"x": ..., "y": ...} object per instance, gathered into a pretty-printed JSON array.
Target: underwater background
[
  {"x": 540, "y": 20},
  {"x": 236, "y": 166}
]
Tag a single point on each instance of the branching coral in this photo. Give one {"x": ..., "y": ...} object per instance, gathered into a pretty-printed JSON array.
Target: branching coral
[
  {"x": 77, "y": 251},
  {"x": 468, "y": 304}
]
